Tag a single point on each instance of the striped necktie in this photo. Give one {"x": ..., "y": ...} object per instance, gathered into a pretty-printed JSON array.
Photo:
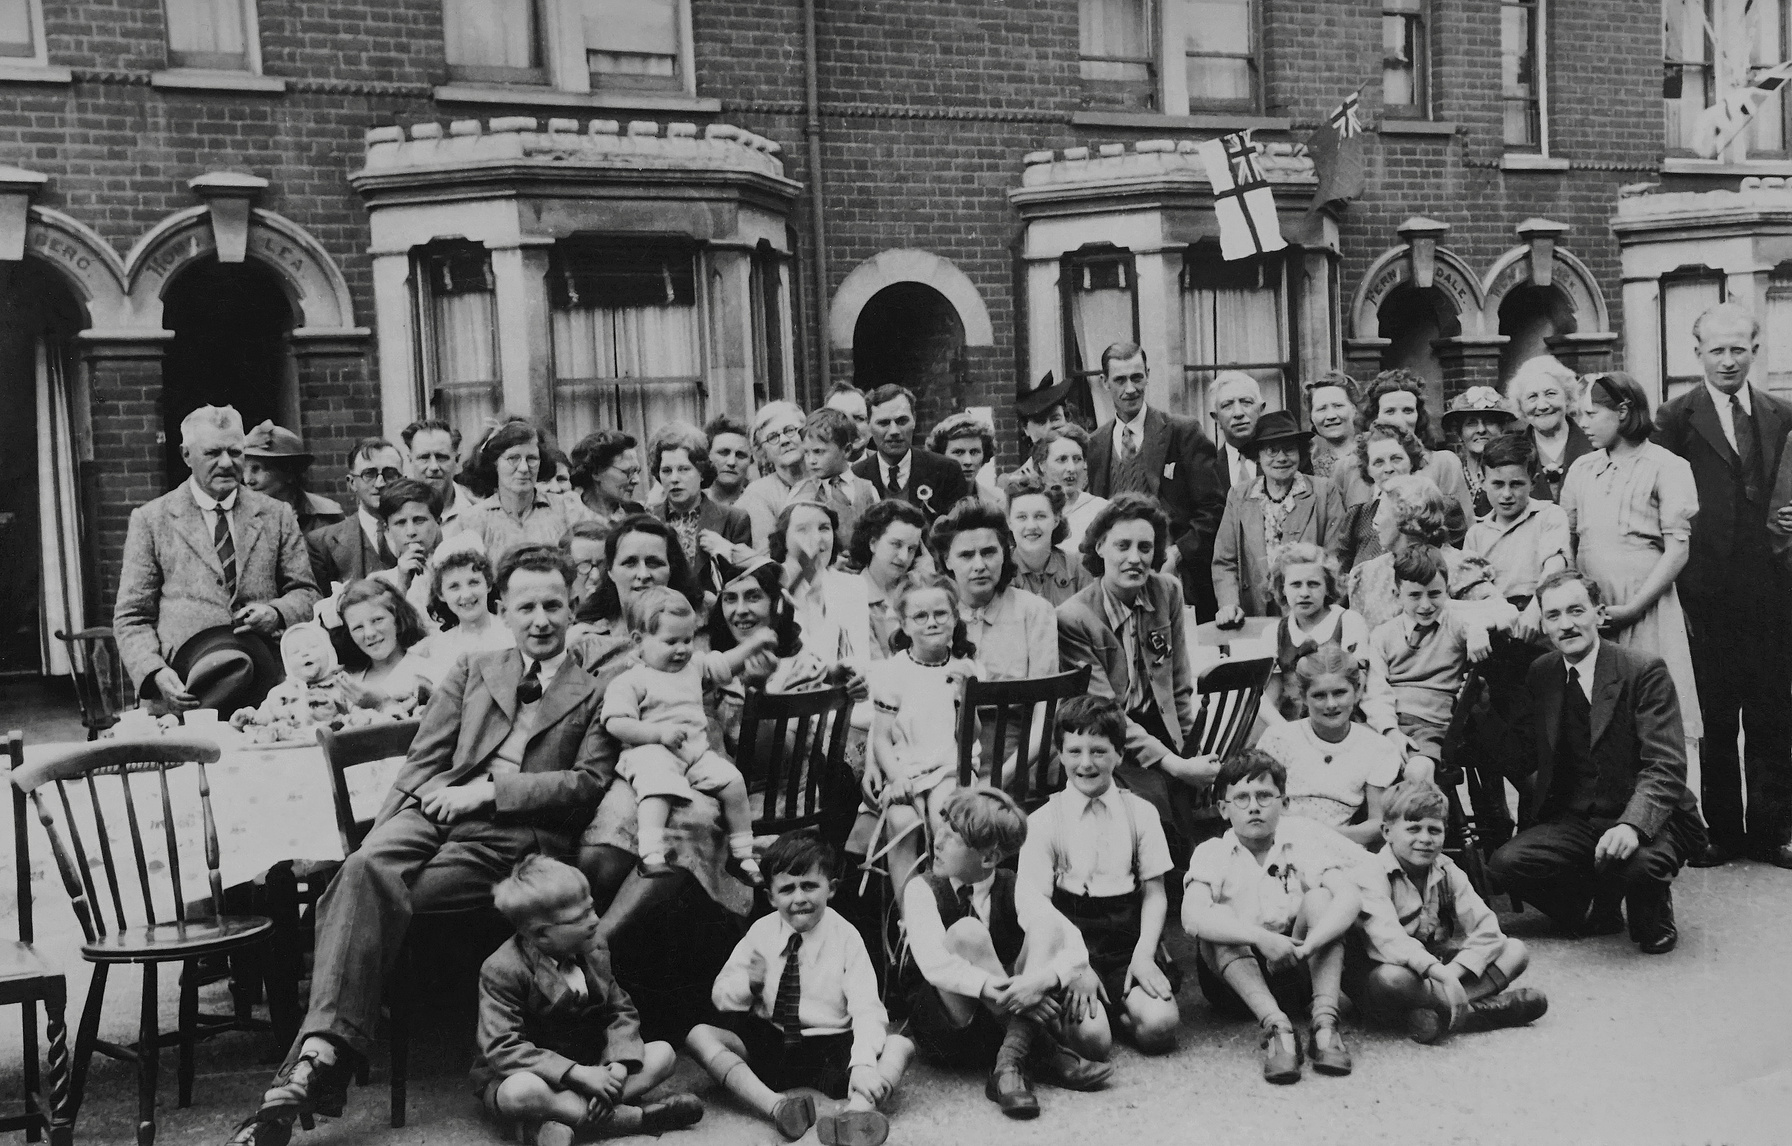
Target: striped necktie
[
  {"x": 226, "y": 547},
  {"x": 790, "y": 994}
]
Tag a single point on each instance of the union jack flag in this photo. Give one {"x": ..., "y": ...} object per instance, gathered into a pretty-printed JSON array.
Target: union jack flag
[{"x": 1345, "y": 119}]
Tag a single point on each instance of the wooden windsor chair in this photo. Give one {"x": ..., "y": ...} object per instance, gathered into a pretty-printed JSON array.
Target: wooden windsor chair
[
  {"x": 102, "y": 688},
  {"x": 126, "y": 920},
  {"x": 793, "y": 750},
  {"x": 1025, "y": 713}
]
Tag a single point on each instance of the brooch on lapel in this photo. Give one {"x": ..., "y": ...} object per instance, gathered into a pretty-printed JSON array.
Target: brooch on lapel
[
  {"x": 1160, "y": 644},
  {"x": 923, "y": 493}
]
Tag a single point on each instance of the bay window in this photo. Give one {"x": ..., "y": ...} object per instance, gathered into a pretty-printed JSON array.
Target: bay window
[
  {"x": 1237, "y": 315},
  {"x": 457, "y": 324}
]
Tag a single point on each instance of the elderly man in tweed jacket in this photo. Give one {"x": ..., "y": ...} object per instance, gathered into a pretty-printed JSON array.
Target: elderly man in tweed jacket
[{"x": 182, "y": 575}]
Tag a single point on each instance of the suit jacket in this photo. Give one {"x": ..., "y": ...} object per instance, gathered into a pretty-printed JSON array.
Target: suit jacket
[
  {"x": 734, "y": 524},
  {"x": 1712, "y": 581},
  {"x": 1636, "y": 732},
  {"x": 1085, "y": 637},
  {"x": 566, "y": 766},
  {"x": 1182, "y": 471},
  {"x": 172, "y": 586},
  {"x": 531, "y": 1021},
  {"x": 940, "y": 474},
  {"x": 342, "y": 552},
  {"x": 1240, "y": 558}
]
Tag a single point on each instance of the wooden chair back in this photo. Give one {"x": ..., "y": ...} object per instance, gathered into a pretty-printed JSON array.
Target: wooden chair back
[
  {"x": 141, "y": 773},
  {"x": 21, "y": 841},
  {"x": 1013, "y": 709},
  {"x": 102, "y": 687},
  {"x": 351, "y": 748},
  {"x": 793, "y": 749},
  {"x": 1226, "y": 704}
]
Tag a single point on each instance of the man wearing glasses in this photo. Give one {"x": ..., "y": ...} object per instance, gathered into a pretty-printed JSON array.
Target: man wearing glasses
[{"x": 356, "y": 547}]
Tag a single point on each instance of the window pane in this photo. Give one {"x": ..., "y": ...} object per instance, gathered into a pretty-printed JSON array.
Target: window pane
[
  {"x": 1118, "y": 65},
  {"x": 15, "y": 28},
  {"x": 1218, "y": 25},
  {"x": 1217, "y": 81},
  {"x": 1776, "y": 333},
  {"x": 632, "y": 43},
  {"x": 1102, "y": 311},
  {"x": 1114, "y": 28},
  {"x": 1235, "y": 316},
  {"x": 491, "y": 33},
  {"x": 1683, "y": 301},
  {"x": 206, "y": 33},
  {"x": 627, "y": 347},
  {"x": 1768, "y": 133},
  {"x": 1518, "y": 73},
  {"x": 461, "y": 346},
  {"x": 1219, "y": 45},
  {"x": 1398, "y": 59}
]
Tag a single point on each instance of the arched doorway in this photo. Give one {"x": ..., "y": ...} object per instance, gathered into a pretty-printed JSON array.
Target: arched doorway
[
  {"x": 1530, "y": 316},
  {"x": 1412, "y": 320},
  {"x": 910, "y": 334},
  {"x": 230, "y": 322},
  {"x": 40, "y": 531}
]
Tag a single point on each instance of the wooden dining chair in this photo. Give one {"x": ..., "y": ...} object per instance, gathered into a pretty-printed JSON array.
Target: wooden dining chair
[
  {"x": 27, "y": 979},
  {"x": 1227, "y": 700},
  {"x": 102, "y": 688},
  {"x": 129, "y": 895},
  {"x": 793, "y": 748},
  {"x": 1010, "y": 710}
]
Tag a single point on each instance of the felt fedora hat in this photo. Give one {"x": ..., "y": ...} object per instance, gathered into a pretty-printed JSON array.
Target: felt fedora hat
[
  {"x": 1276, "y": 426},
  {"x": 228, "y": 670},
  {"x": 270, "y": 441},
  {"x": 1032, "y": 402}
]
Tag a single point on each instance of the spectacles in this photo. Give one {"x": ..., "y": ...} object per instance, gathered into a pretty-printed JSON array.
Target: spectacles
[
  {"x": 1253, "y": 799},
  {"x": 387, "y": 475},
  {"x": 585, "y": 567},
  {"x": 525, "y": 462},
  {"x": 780, "y": 435}
]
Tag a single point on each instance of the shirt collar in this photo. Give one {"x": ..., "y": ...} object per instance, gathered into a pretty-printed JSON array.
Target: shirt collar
[
  {"x": 902, "y": 467},
  {"x": 1588, "y": 664},
  {"x": 209, "y": 503},
  {"x": 1531, "y": 509},
  {"x": 549, "y": 667},
  {"x": 1260, "y": 487},
  {"x": 1109, "y": 799},
  {"x": 370, "y": 525},
  {"x": 981, "y": 887},
  {"x": 1722, "y": 400},
  {"x": 1137, "y": 425},
  {"x": 1391, "y": 865},
  {"x": 1119, "y": 612},
  {"x": 1410, "y": 627},
  {"x": 990, "y": 612}
]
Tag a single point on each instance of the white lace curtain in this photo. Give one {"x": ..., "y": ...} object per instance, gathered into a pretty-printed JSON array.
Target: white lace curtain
[
  {"x": 1234, "y": 318},
  {"x": 630, "y": 368}
]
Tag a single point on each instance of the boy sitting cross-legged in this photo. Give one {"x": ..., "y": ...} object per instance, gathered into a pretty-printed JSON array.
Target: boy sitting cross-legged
[
  {"x": 1430, "y": 953},
  {"x": 801, "y": 1009},
  {"x": 1100, "y": 854},
  {"x": 1269, "y": 904},
  {"x": 998, "y": 972},
  {"x": 559, "y": 1042}
]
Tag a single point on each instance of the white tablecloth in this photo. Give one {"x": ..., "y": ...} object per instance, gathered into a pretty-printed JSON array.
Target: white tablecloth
[
  {"x": 1207, "y": 645},
  {"x": 269, "y": 804}
]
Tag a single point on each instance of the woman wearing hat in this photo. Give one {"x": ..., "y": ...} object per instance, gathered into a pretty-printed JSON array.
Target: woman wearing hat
[
  {"x": 1280, "y": 505},
  {"x": 274, "y": 463},
  {"x": 1041, "y": 410},
  {"x": 1476, "y": 417}
]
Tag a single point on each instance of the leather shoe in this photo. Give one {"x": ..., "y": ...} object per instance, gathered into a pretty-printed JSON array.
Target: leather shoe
[
  {"x": 793, "y": 1115},
  {"x": 1331, "y": 1059},
  {"x": 1425, "y": 1025},
  {"x": 311, "y": 1087},
  {"x": 1009, "y": 1090},
  {"x": 1663, "y": 936},
  {"x": 1604, "y": 920},
  {"x": 1059, "y": 1065},
  {"x": 1281, "y": 1056},
  {"x": 1512, "y": 1008},
  {"x": 853, "y": 1128},
  {"x": 1712, "y": 856},
  {"x": 1778, "y": 857},
  {"x": 676, "y": 1112},
  {"x": 257, "y": 1130}
]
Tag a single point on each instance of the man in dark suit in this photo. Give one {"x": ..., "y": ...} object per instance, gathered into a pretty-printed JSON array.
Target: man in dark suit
[
  {"x": 1615, "y": 819},
  {"x": 1237, "y": 404},
  {"x": 1737, "y": 596},
  {"x": 896, "y": 468},
  {"x": 356, "y": 546},
  {"x": 1143, "y": 450},
  {"x": 509, "y": 759}
]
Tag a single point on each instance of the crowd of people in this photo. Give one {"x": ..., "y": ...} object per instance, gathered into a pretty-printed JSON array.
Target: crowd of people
[{"x": 1616, "y": 584}]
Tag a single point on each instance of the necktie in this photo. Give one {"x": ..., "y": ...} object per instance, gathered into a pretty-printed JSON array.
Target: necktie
[
  {"x": 385, "y": 548},
  {"x": 1129, "y": 443},
  {"x": 790, "y": 994},
  {"x": 1577, "y": 696},
  {"x": 529, "y": 691},
  {"x": 1141, "y": 674},
  {"x": 1743, "y": 427},
  {"x": 893, "y": 484},
  {"x": 964, "y": 902},
  {"x": 226, "y": 546}
]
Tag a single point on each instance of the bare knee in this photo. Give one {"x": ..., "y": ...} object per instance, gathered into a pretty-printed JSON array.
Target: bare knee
[
  {"x": 969, "y": 938},
  {"x": 1154, "y": 1022},
  {"x": 522, "y": 1091},
  {"x": 658, "y": 1061},
  {"x": 1514, "y": 958},
  {"x": 1419, "y": 770}
]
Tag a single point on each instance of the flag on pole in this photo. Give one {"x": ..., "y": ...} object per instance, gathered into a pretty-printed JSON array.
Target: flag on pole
[
  {"x": 1242, "y": 200},
  {"x": 1337, "y": 151},
  {"x": 1720, "y": 124}
]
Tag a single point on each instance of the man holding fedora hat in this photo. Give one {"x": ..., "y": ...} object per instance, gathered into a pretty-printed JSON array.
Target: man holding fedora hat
[
  {"x": 212, "y": 573},
  {"x": 274, "y": 463}
]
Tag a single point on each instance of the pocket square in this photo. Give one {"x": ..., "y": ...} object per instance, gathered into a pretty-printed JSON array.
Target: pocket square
[{"x": 1170, "y": 470}]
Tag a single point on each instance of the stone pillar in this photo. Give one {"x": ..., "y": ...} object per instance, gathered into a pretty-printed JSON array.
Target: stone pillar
[
  {"x": 730, "y": 368},
  {"x": 124, "y": 382},
  {"x": 401, "y": 399},
  {"x": 525, "y": 338}
]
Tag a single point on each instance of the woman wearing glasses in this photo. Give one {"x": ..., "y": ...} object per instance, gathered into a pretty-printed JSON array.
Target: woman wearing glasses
[
  {"x": 605, "y": 472},
  {"x": 778, "y": 445},
  {"x": 1630, "y": 504},
  {"x": 520, "y": 510}
]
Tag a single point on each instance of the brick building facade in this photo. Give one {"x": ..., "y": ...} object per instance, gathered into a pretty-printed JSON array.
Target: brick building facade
[{"x": 344, "y": 216}]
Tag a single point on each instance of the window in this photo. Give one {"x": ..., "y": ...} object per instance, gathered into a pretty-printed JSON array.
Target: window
[
  {"x": 1220, "y": 49},
  {"x": 1686, "y": 293},
  {"x": 766, "y": 301},
  {"x": 1405, "y": 59},
  {"x": 627, "y": 336},
  {"x": 633, "y": 44},
  {"x": 1522, "y": 75},
  {"x": 18, "y": 30},
  {"x": 495, "y": 41},
  {"x": 457, "y": 333},
  {"x": 1712, "y": 46},
  {"x": 217, "y": 35},
  {"x": 1119, "y": 54},
  {"x": 1236, "y": 315},
  {"x": 1100, "y": 296}
]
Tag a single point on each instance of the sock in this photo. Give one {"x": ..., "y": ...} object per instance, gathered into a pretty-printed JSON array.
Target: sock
[
  {"x": 1325, "y": 1012},
  {"x": 623, "y": 1120},
  {"x": 1497, "y": 977},
  {"x": 740, "y": 844},
  {"x": 652, "y": 843},
  {"x": 739, "y": 1080},
  {"x": 1017, "y": 1043}
]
